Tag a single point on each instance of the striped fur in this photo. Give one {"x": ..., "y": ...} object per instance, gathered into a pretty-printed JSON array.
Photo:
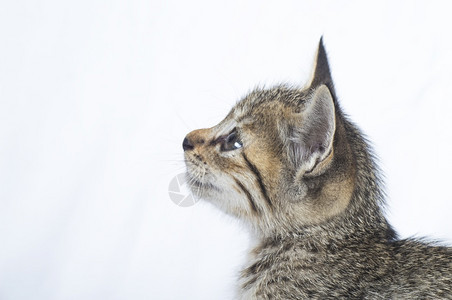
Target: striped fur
[{"x": 301, "y": 176}]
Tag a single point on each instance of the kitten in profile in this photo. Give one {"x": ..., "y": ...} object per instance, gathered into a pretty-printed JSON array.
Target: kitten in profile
[{"x": 288, "y": 163}]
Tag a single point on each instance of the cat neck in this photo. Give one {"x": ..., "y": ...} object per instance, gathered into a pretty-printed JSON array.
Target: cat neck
[{"x": 362, "y": 219}]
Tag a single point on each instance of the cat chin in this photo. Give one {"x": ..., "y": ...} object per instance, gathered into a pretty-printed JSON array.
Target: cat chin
[{"x": 226, "y": 201}]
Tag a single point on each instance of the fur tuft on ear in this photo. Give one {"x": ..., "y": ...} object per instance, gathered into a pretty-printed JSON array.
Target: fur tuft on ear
[
  {"x": 322, "y": 73},
  {"x": 312, "y": 137}
]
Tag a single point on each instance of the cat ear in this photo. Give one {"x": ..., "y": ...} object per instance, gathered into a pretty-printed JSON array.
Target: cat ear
[
  {"x": 312, "y": 137},
  {"x": 321, "y": 74}
]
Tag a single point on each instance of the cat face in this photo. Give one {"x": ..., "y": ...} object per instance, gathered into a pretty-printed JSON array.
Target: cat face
[
  {"x": 237, "y": 163},
  {"x": 265, "y": 162}
]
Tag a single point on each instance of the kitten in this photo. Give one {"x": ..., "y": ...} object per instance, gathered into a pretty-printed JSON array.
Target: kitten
[{"x": 289, "y": 164}]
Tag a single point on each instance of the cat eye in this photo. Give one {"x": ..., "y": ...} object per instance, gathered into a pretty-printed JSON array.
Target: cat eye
[{"x": 231, "y": 142}]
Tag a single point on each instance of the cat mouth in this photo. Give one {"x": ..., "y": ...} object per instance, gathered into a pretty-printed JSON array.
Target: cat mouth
[{"x": 198, "y": 186}]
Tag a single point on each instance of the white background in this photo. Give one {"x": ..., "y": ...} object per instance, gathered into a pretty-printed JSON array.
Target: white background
[{"x": 96, "y": 97}]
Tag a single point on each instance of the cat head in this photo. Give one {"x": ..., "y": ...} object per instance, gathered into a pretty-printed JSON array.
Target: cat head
[{"x": 279, "y": 159}]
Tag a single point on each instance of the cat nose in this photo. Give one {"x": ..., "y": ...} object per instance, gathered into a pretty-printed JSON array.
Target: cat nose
[
  {"x": 187, "y": 144},
  {"x": 194, "y": 139}
]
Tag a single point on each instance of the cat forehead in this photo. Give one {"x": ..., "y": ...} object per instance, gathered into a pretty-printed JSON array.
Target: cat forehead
[
  {"x": 261, "y": 101},
  {"x": 262, "y": 104}
]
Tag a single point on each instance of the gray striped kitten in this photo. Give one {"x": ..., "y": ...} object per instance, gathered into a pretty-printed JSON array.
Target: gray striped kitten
[{"x": 289, "y": 164}]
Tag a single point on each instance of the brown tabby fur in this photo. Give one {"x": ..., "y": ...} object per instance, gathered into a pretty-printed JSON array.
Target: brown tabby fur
[{"x": 306, "y": 184}]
